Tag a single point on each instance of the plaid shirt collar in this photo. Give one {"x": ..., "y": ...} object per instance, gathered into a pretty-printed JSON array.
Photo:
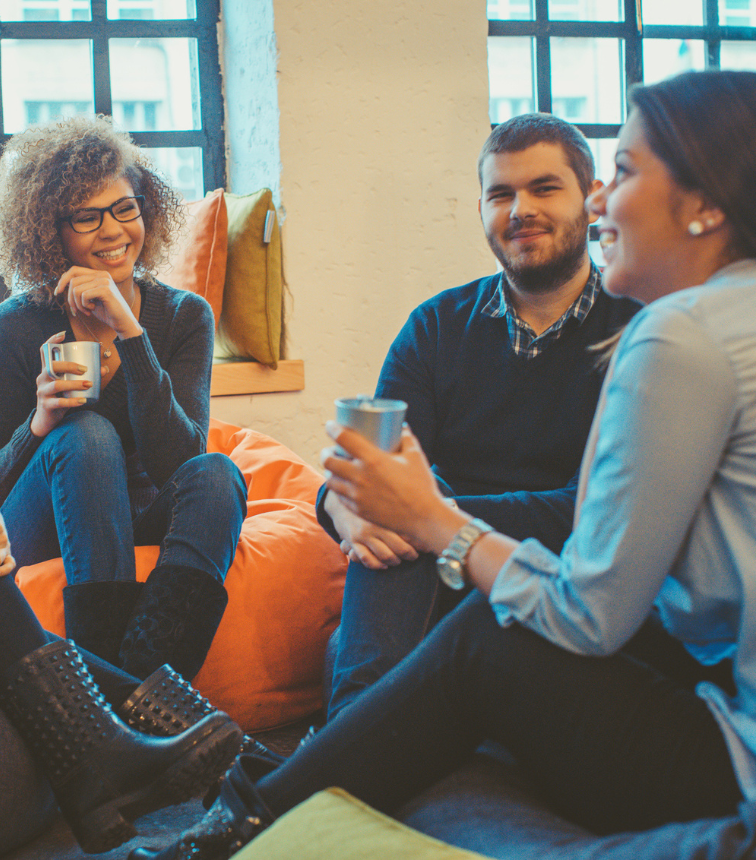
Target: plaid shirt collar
[{"x": 524, "y": 340}]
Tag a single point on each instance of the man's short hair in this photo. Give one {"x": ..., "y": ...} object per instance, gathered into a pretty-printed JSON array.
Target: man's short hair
[{"x": 527, "y": 129}]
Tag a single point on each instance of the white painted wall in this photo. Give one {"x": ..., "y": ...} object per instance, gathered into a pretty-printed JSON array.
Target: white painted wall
[{"x": 383, "y": 110}]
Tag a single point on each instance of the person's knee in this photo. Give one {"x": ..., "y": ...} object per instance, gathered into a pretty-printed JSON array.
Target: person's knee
[
  {"x": 84, "y": 437},
  {"x": 220, "y": 480}
]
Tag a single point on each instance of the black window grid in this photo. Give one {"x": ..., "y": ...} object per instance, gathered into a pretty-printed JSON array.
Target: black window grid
[
  {"x": 631, "y": 32},
  {"x": 203, "y": 28}
]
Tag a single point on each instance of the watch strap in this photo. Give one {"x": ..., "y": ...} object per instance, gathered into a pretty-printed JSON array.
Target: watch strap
[{"x": 464, "y": 540}]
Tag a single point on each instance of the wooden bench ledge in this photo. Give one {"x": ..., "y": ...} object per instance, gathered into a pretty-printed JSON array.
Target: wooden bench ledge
[{"x": 251, "y": 377}]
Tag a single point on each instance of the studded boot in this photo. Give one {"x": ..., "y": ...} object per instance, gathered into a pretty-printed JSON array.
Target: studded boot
[
  {"x": 103, "y": 774},
  {"x": 165, "y": 704},
  {"x": 237, "y": 816}
]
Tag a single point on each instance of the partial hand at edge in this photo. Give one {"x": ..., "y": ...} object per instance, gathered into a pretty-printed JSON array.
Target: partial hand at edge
[{"x": 7, "y": 563}]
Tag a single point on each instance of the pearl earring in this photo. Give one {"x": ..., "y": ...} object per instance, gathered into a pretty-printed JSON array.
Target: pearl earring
[{"x": 695, "y": 228}]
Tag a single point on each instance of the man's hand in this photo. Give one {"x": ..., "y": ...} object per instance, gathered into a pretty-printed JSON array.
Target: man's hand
[{"x": 374, "y": 547}]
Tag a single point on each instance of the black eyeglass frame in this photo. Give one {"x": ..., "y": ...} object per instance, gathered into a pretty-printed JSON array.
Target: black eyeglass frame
[{"x": 101, "y": 212}]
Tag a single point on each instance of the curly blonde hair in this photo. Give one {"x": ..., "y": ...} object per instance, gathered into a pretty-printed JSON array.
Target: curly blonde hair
[{"x": 49, "y": 171}]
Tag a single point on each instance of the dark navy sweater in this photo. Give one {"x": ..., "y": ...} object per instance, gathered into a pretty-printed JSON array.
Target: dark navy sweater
[{"x": 505, "y": 433}]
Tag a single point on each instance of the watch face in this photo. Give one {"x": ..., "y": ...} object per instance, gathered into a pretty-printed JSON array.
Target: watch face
[{"x": 451, "y": 572}]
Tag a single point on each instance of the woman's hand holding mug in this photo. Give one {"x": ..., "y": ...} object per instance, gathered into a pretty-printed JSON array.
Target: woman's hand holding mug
[{"x": 52, "y": 408}]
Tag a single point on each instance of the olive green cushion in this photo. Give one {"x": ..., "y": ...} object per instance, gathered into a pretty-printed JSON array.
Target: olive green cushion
[
  {"x": 251, "y": 319},
  {"x": 332, "y": 824}
]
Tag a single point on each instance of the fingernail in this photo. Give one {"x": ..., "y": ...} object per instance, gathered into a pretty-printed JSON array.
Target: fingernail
[
  {"x": 86, "y": 383},
  {"x": 82, "y": 368},
  {"x": 60, "y": 334},
  {"x": 81, "y": 400}
]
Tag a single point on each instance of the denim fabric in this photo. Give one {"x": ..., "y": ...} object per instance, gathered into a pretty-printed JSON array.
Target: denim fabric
[
  {"x": 384, "y": 615},
  {"x": 72, "y": 500},
  {"x": 612, "y": 742}
]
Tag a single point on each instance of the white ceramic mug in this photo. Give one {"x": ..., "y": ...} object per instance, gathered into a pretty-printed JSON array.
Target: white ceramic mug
[{"x": 83, "y": 352}]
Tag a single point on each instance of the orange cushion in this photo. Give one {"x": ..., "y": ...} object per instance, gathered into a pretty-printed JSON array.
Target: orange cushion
[
  {"x": 197, "y": 260},
  {"x": 265, "y": 665}
]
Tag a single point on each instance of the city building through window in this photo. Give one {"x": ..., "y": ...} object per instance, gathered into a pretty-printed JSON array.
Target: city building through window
[{"x": 151, "y": 64}]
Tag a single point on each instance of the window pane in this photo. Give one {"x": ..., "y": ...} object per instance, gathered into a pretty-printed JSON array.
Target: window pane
[
  {"x": 679, "y": 12},
  {"x": 586, "y": 10},
  {"x": 510, "y": 10},
  {"x": 603, "y": 154},
  {"x": 597, "y": 255},
  {"x": 585, "y": 80},
  {"x": 155, "y": 84},
  {"x": 511, "y": 79},
  {"x": 738, "y": 55},
  {"x": 46, "y": 79},
  {"x": 737, "y": 13},
  {"x": 149, "y": 10},
  {"x": 663, "y": 58},
  {"x": 182, "y": 168},
  {"x": 45, "y": 10}
]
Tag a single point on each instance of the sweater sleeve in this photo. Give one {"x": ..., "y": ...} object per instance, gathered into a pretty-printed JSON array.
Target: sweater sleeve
[
  {"x": 658, "y": 446},
  {"x": 169, "y": 404},
  {"x": 408, "y": 374},
  {"x": 18, "y": 394},
  {"x": 545, "y": 515}
]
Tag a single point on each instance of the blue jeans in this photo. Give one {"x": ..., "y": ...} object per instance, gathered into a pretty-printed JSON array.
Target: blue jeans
[
  {"x": 72, "y": 500},
  {"x": 384, "y": 615},
  {"x": 615, "y": 743}
]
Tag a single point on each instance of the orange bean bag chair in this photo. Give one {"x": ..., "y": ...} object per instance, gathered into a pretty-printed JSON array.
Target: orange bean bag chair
[{"x": 265, "y": 666}]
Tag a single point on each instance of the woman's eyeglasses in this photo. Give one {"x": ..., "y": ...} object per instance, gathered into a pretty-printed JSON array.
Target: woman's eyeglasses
[{"x": 89, "y": 220}]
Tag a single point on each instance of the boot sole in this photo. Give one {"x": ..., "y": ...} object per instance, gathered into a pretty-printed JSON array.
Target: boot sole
[{"x": 110, "y": 825}]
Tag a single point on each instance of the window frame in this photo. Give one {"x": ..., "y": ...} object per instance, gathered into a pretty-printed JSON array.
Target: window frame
[
  {"x": 209, "y": 138},
  {"x": 631, "y": 32}
]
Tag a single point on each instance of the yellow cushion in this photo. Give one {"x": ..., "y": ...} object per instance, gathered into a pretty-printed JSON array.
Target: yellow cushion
[
  {"x": 332, "y": 824},
  {"x": 198, "y": 259},
  {"x": 251, "y": 320},
  {"x": 265, "y": 666}
]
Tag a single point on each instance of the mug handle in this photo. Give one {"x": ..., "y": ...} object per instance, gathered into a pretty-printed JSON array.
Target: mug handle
[{"x": 48, "y": 356}]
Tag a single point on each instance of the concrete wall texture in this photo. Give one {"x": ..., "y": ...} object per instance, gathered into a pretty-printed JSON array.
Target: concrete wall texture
[{"x": 383, "y": 108}]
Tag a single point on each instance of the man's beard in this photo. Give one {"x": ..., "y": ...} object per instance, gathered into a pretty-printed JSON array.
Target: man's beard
[{"x": 543, "y": 276}]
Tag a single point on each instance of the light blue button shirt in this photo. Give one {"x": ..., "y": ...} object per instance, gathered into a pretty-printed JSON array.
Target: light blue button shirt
[{"x": 668, "y": 515}]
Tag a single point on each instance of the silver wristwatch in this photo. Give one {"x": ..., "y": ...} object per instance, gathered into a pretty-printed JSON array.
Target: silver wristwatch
[{"x": 451, "y": 563}]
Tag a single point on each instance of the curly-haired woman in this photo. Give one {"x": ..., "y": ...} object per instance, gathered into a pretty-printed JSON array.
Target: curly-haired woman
[{"x": 86, "y": 219}]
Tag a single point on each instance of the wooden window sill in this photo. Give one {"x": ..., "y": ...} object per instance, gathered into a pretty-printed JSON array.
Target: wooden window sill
[{"x": 250, "y": 377}]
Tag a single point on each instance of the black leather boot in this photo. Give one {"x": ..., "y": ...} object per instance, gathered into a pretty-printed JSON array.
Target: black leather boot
[
  {"x": 97, "y": 613},
  {"x": 165, "y": 704},
  {"x": 174, "y": 622},
  {"x": 237, "y": 816},
  {"x": 103, "y": 774}
]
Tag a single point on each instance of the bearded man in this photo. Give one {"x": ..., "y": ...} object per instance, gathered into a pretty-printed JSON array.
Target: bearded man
[{"x": 501, "y": 385}]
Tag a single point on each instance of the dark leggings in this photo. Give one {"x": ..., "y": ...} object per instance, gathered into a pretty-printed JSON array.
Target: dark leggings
[
  {"x": 21, "y": 633},
  {"x": 614, "y": 743}
]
